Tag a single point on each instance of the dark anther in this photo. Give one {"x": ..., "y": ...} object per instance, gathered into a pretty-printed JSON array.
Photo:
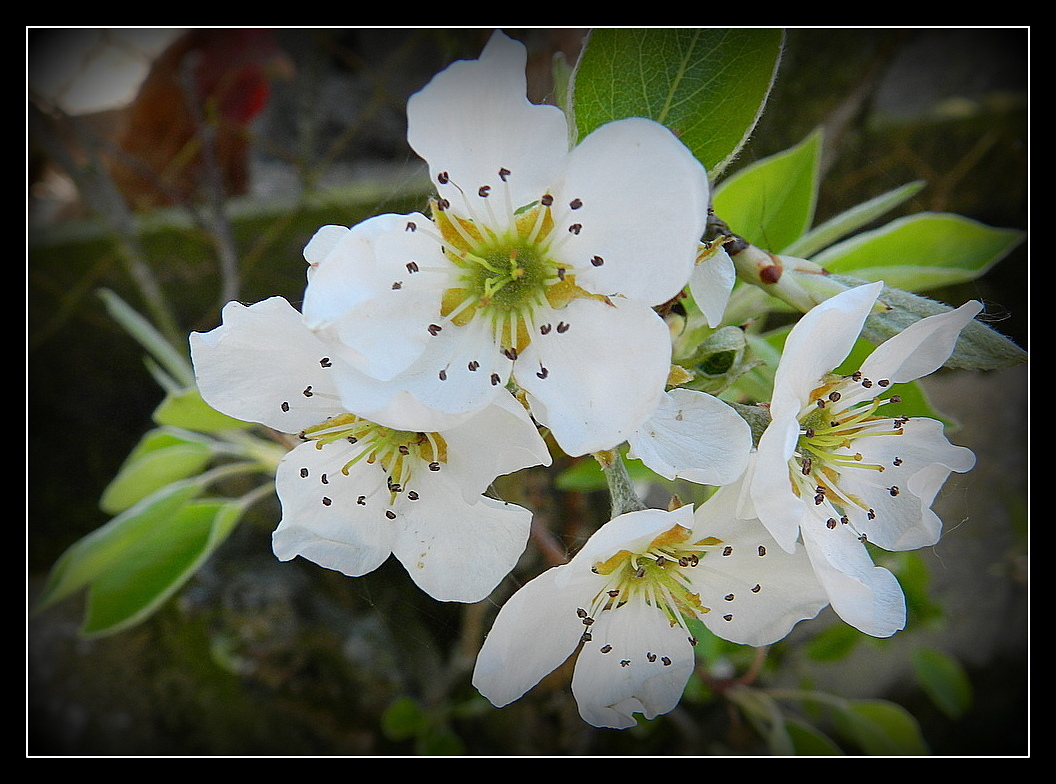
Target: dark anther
[
  {"x": 304, "y": 473},
  {"x": 325, "y": 362},
  {"x": 412, "y": 266},
  {"x": 542, "y": 372},
  {"x": 495, "y": 379},
  {"x": 575, "y": 228},
  {"x": 443, "y": 178},
  {"x": 326, "y": 501},
  {"x": 547, "y": 200},
  {"x": 545, "y": 329},
  {"x": 483, "y": 190},
  {"x": 762, "y": 550},
  {"x": 390, "y": 514},
  {"x": 562, "y": 327},
  {"x": 597, "y": 261},
  {"x": 434, "y": 329},
  {"x": 575, "y": 204},
  {"x": 504, "y": 173},
  {"x": 307, "y": 391},
  {"x": 285, "y": 406},
  {"x": 411, "y": 226}
]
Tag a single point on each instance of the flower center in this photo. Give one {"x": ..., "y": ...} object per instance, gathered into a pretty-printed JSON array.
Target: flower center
[
  {"x": 507, "y": 268},
  {"x": 399, "y": 452},
  {"x": 829, "y": 439},
  {"x": 658, "y": 576}
]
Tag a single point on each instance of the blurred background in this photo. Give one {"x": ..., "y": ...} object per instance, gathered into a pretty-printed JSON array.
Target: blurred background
[{"x": 260, "y": 657}]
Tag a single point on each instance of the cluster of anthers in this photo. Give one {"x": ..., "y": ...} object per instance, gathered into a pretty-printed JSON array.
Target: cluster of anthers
[
  {"x": 507, "y": 266},
  {"x": 829, "y": 430},
  {"x": 658, "y": 576},
  {"x": 400, "y": 453}
]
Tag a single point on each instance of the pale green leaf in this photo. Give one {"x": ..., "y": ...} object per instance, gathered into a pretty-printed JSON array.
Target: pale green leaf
[
  {"x": 106, "y": 546},
  {"x": 187, "y": 410},
  {"x": 156, "y": 564},
  {"x": 849, "y": 221},
  {"x": 923, "y": 251},
  {"x": 771, "y": 202},
  {"x": 708, "y": 86},
  {"x": 161, "y": 457}
]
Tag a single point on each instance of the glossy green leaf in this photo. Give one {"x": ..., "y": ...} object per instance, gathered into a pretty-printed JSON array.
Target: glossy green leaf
[
  {"x": 923, "y": 251},
  {"x": 944, "y": 680},
  {"x": 94, "y": 554},
  {"x": 708, "y": 86},
  {"x": 187, "y": 410},
  {"x": 156, "y": 564},
  {"x": 849, "y": 221},
  {"x": 771, "y": 202},
  {"x": 161, "y": 457}
]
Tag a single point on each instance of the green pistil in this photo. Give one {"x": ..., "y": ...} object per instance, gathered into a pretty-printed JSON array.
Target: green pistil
[{"x": 504, "y": 276}]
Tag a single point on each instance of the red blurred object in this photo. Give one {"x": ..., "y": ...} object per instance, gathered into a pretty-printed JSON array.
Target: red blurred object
[{"x": 214, "y": 78}]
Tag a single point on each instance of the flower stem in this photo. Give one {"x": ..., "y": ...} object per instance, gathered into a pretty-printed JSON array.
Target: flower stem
[{"x": 624, "y": 498}]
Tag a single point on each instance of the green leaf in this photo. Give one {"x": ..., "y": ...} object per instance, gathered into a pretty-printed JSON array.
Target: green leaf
[
  {"x": 849, "y": 221},
  {"x": 187, "y": 410},
  {"x": 708, "y": 86},
  {"x": 923, "y": 251},
  {"x": 161, "y": 457},
  {"x": 771, "y": 202},
  {"x": 89, "y": 557},
  {"x": 881, "y": 728},
  {"x": 156, "y": 564},
  {"x": 944, "y": 680}
]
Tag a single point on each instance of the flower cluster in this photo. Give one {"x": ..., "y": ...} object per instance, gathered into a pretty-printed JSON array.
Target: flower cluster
[{"x": 433, "y": 349}]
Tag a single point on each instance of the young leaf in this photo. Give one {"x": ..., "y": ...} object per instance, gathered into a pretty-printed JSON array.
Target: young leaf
[
  {"x": 187, "y": 410},
  {"x": 771, "y": 202},
  {"x": 161, "y": 457},
  {"x": 156, "y": 565},
  {"x": 92, "y": 555},
  {"x": 849, "y": 221},
  {"x": 923, "y": 251},
  {"x": 707, "y": 85}
]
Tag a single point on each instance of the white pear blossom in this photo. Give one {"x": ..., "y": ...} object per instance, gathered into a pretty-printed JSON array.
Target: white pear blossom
[
  {"x": 355, "y": 491},
  {"x": 538, "y": 263},
  {"x": 626, "y": 601},
  {"x": 694, "y": 436},
  {"x": 834, "y": 472}
]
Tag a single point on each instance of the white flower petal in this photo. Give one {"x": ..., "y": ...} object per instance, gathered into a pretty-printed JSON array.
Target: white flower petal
[
  {"x": 499, "y": 440},
  {"x": 694, "y": 436},
  {"x": 455, "y": 551},
  {"x": 819, "y": 342},
  {"x": 644, "y": 669},
  {"x": 474, "y": 119},
  {"x": 711, "y": 284},
  {"x": 916, "y": 464},
  {"x": 866, "y": 596},
  {"x": 921, "y": 348},
  {"x": 536, "y": 630},
  {"x": 333, "y": 520},
  {"x": 374, "y": 291},
  {"x": 772, "y": 496},
  {"x": 461, "y": 372},
  {"x": 644, "y": 208},
  {"x": 258, "y": 365},
  {"x": 756, "y": 591},
  {"x": 596, "y": 379}
]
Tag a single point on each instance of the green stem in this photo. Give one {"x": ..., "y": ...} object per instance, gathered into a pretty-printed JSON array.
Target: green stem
[{"x": 621, "y": 491}]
